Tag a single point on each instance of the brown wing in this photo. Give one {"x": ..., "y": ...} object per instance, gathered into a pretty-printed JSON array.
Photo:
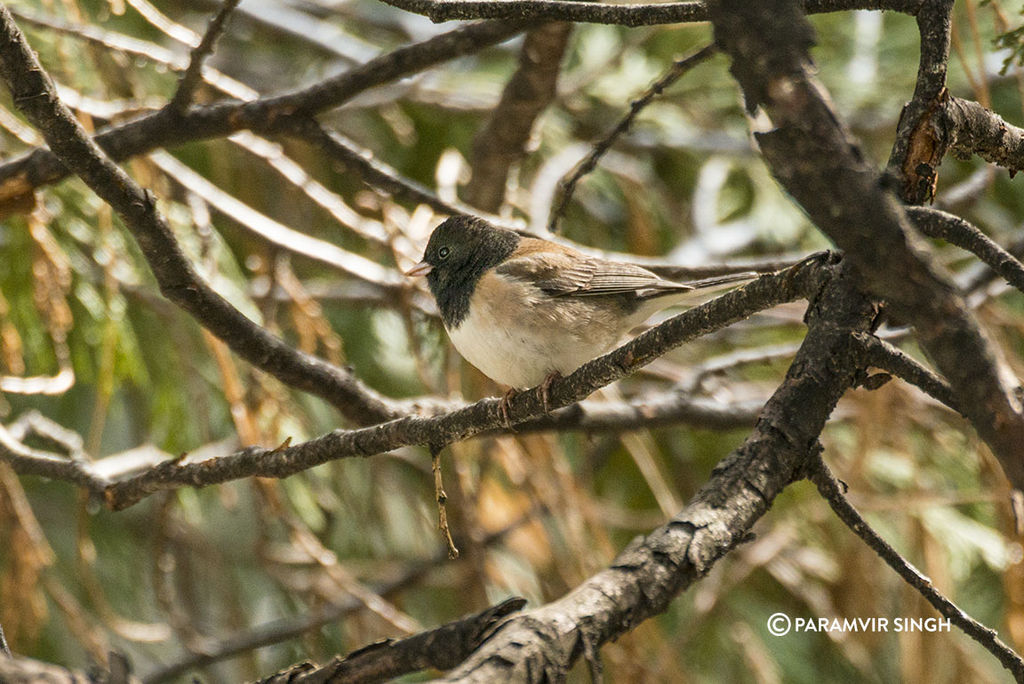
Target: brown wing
[{"x": 566, "y": 272}]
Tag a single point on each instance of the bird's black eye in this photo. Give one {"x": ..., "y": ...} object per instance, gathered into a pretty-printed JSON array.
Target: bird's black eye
[{"x": 443, "y": 253}]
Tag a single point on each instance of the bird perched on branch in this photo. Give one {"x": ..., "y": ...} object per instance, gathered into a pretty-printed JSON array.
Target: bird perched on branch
[{"x": 526, "y": 311}]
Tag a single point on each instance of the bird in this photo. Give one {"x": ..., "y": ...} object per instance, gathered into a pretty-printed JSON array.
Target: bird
[{"x": 526, "y": 311}]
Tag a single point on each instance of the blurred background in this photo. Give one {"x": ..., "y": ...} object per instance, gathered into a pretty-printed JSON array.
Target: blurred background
[{"x": 266, "y": 573}]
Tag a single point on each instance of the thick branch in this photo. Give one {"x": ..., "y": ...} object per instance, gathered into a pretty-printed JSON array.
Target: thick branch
[
  {"x": 440, "y": 648},
  {"x": 541, "y": 644},
  {"x": 502, "y": 141},
  {"x": 821, "y": 166}
]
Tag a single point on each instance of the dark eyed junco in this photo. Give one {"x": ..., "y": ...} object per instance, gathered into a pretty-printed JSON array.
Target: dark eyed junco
[{"x": 525, "y": 310}]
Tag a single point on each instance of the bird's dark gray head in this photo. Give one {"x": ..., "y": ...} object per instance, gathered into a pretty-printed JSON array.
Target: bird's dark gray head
[{"x": 458, "y": 253}]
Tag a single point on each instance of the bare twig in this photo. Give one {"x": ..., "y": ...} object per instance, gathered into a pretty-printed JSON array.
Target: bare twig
[
  {"x": 441, "y": 498},
  {"x": 567, "y": 186},
  {"x": 832, "y": 491},
  {"x": 957, "y": 231},
  {"x": 192, "y": 76},
  {"x": 608, "y": 13},
  {"x": 4, "y": 648},
  {"x": 881, "y": 354}
]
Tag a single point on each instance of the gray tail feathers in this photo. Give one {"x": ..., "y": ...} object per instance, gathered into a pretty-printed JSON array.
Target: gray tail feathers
[{"x": 722, "y": 280}]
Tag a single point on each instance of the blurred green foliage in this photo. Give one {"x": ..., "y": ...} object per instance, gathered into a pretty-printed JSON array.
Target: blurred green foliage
[{"x": 534, "y": 515}]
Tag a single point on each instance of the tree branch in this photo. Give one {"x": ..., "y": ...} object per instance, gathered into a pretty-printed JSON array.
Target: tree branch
[
  {"x": 970, "y": 128},
  {"x": 832, "y": 491},
  {"x": 482, "y": 416},
  {"x": 502, "y": 140},
  {"x": 192, "y": 76},
  {"x": 441, "y": 648},
  {"x": 266, "y": 115},
  {"x": 541, "y": 644},
  {"x": 885, "y": 356},
  {"x": 915, "y": 154},
  {"x": 610, "y": 13},
  {"x": 957, "y": 231},
  {"x": 458, "y": 424},
  {"x": 820, "y": 165}
]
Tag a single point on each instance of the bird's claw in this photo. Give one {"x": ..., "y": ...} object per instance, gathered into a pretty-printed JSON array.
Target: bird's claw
[
  {"x": 545, "y": 390},
  {"x": 503, "y": 407}
]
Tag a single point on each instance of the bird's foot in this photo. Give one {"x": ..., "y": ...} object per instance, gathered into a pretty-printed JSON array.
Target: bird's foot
[
  {"x": 545, "y": 390},
  {"x": 503, "y": 407}
]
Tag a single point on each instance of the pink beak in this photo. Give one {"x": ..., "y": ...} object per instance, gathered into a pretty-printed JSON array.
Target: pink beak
[{"x": 420, "y": 269}]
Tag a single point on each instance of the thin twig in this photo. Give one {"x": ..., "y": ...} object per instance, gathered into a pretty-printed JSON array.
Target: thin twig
[
  {"x": 832, "y": 491},
  {"x": 442, "y": 499},
  {"x": 567, "y": 186},
  {"x": 881, "y": 354},
  {"x": 609, "y": 13},
  {"x": 193, "y": 75},
  {"x": 957, "y": 231},
  {"x": 4, "y": 647}
]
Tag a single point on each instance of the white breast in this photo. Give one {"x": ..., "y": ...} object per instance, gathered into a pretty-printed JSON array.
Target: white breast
[{"x": 519, "y": 337}]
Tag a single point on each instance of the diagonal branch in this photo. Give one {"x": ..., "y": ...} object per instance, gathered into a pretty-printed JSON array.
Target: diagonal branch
[
  {"x": 441, "y": 648},
  {"x": 832, "y": 491},
  {"x": 461, "y": 423},
  {"x": 34, "y": 95},
  {"x": 821, "y": 166},
  {"x": 881, "y": 354},
  {"x": 542, "y": 644},
  {"x": 193, "y": 75},
  {"x": 266, "y": 115},
  {"x": 567, "y": 185},
  {"x": 483, "y": 416}
]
